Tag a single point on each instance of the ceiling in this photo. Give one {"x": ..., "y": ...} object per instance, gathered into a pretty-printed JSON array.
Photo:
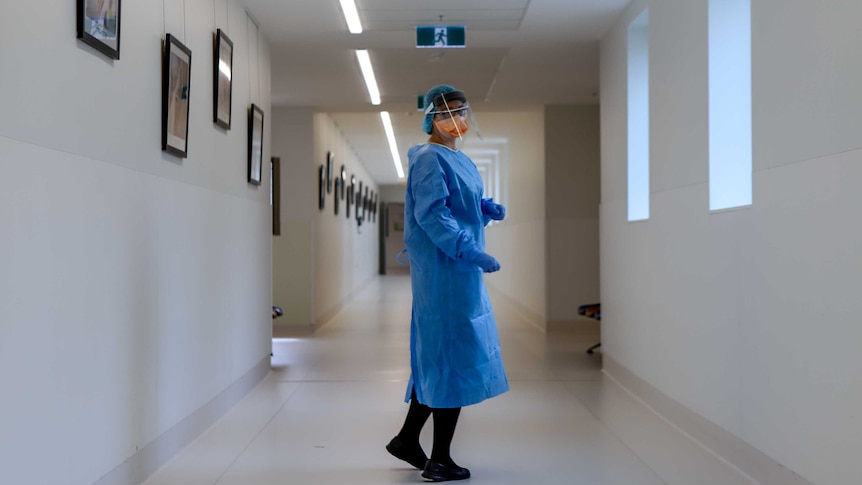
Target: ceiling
[{"x": 520, "y": 54}]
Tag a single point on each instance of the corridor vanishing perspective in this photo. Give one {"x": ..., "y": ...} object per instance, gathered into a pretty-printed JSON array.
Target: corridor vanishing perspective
[{"x": 334, "y": 399}]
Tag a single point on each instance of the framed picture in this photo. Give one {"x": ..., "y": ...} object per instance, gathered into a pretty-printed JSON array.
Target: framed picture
[
  {"x": 222, "y": 75},
  {"x": 358, "y": 202},
  {"x": 330, "y": 162},
  {"x": 321, "y": 187},
  {"x": 365, "y": 204},
  {"x": 255, "y": 144},
  {"x": 350, "y": 194},
  {"x": 176, "y": 92},
  {"x": 335, "y": 196},
  {"x": 343, "y": 181},
  {"x": 275, "y": 194},
  {"x": 99, "y": 25}
]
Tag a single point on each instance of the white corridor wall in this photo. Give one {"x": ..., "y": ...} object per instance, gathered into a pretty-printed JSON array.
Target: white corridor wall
[
  {"x": 345, "y": 252},
  {"x": 748, "y": 318},
  {"x": 320, "y": 259},
  {"x": 134, "y": 286},
  {"x": 519, "y": 242}
]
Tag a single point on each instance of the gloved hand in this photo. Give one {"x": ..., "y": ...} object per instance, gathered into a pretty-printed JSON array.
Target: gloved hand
[
  {"x": 492, "y": 210},
  {"x": 482, "y": 260}
]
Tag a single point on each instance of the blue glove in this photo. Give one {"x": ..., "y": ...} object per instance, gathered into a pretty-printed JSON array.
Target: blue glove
[
  {"x": 482, "y": 260},
  {"x": 492, "y": 210}
]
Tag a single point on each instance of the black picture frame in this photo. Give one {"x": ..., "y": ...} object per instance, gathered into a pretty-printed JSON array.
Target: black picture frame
[
  {"x": 365, "y": 204},
  {"x": 343, "y": 181},
  {"x": 321, "y": 187},
  {"x": 222, "y": 79},
  {"x": 255, "y": 144},
  {"x": 350, "y": 194},
  {"x": 330, "y": 161},
  {"x": 358, "y": 203},
  {"x": 176, "y": 96},
  {"x": 99, "y": 25},
  {"x": 335, "y": 196},
  {"x": 275, "y": 190}
]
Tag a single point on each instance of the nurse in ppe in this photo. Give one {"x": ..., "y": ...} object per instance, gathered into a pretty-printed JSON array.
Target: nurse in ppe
[{"x": 455, "y": 356}]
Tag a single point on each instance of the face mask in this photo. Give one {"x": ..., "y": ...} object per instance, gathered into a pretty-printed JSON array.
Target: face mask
[{"x": 456, "y": 126}]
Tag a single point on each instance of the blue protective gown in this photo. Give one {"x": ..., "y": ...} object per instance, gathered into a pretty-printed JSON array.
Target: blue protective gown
[{"x": 454, "y": 347}]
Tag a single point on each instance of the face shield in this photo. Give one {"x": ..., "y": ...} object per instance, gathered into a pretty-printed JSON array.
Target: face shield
[{"x": 456, "y": 116}]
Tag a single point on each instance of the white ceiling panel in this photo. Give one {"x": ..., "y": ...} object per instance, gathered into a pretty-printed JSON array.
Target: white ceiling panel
[
  {"x": 408, "y": 72},
  {"x": 566, "y": 74},
  {"x": 471, "y": 25},
  {"x": 443, "y": 5},
  {"x": 414, "y": 17},
  {"x": 520, "y": 54}
]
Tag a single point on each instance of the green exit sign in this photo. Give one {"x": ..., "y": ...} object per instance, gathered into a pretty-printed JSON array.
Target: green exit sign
[{"x": 440, "y": 37}]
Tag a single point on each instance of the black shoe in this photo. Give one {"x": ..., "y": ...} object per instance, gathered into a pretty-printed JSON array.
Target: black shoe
[
  {"x": 415, "y": 457},
  {"x": 438, "y": 472}
]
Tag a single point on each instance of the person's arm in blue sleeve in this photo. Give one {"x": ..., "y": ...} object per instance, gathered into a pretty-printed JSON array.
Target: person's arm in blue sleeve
[
  {"x": 486, "y": 219},
  {"x": 492, "y": 211},
  {"x": 430, "y": 193}
]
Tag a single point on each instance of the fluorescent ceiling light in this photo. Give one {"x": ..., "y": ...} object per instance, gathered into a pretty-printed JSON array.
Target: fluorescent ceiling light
[
  {"x": 393, "y": 147},
  {"x": 368, "y": 74},
  {"x": 351, "y": 16}
]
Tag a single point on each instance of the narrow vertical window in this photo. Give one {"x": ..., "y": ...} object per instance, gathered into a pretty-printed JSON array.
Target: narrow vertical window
[
  {"x": 730, "y": 168},
  {"x": 638, "y": 118}
]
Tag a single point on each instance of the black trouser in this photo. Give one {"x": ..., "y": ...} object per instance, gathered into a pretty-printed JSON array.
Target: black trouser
[{"x": 445, "y": 421}]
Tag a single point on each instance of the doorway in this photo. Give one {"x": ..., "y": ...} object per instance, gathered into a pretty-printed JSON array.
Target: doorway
[{"x": 392, "y": 239}]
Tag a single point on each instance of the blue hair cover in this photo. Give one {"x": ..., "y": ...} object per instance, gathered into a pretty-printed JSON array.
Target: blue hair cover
[{"x": 430, "y": 96}]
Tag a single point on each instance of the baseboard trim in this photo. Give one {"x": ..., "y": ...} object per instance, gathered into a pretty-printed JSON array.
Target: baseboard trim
[
  {"x": 516, "y": 307},
  {"x": 326, "y": 317},
  {"x": 138, "y": 467},
  {"x": 729, "y": 448},
  {"x": 588, "y": 327}
]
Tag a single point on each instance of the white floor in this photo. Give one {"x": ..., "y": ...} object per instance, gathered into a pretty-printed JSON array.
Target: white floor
[{"x": 335, "y": 398}]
